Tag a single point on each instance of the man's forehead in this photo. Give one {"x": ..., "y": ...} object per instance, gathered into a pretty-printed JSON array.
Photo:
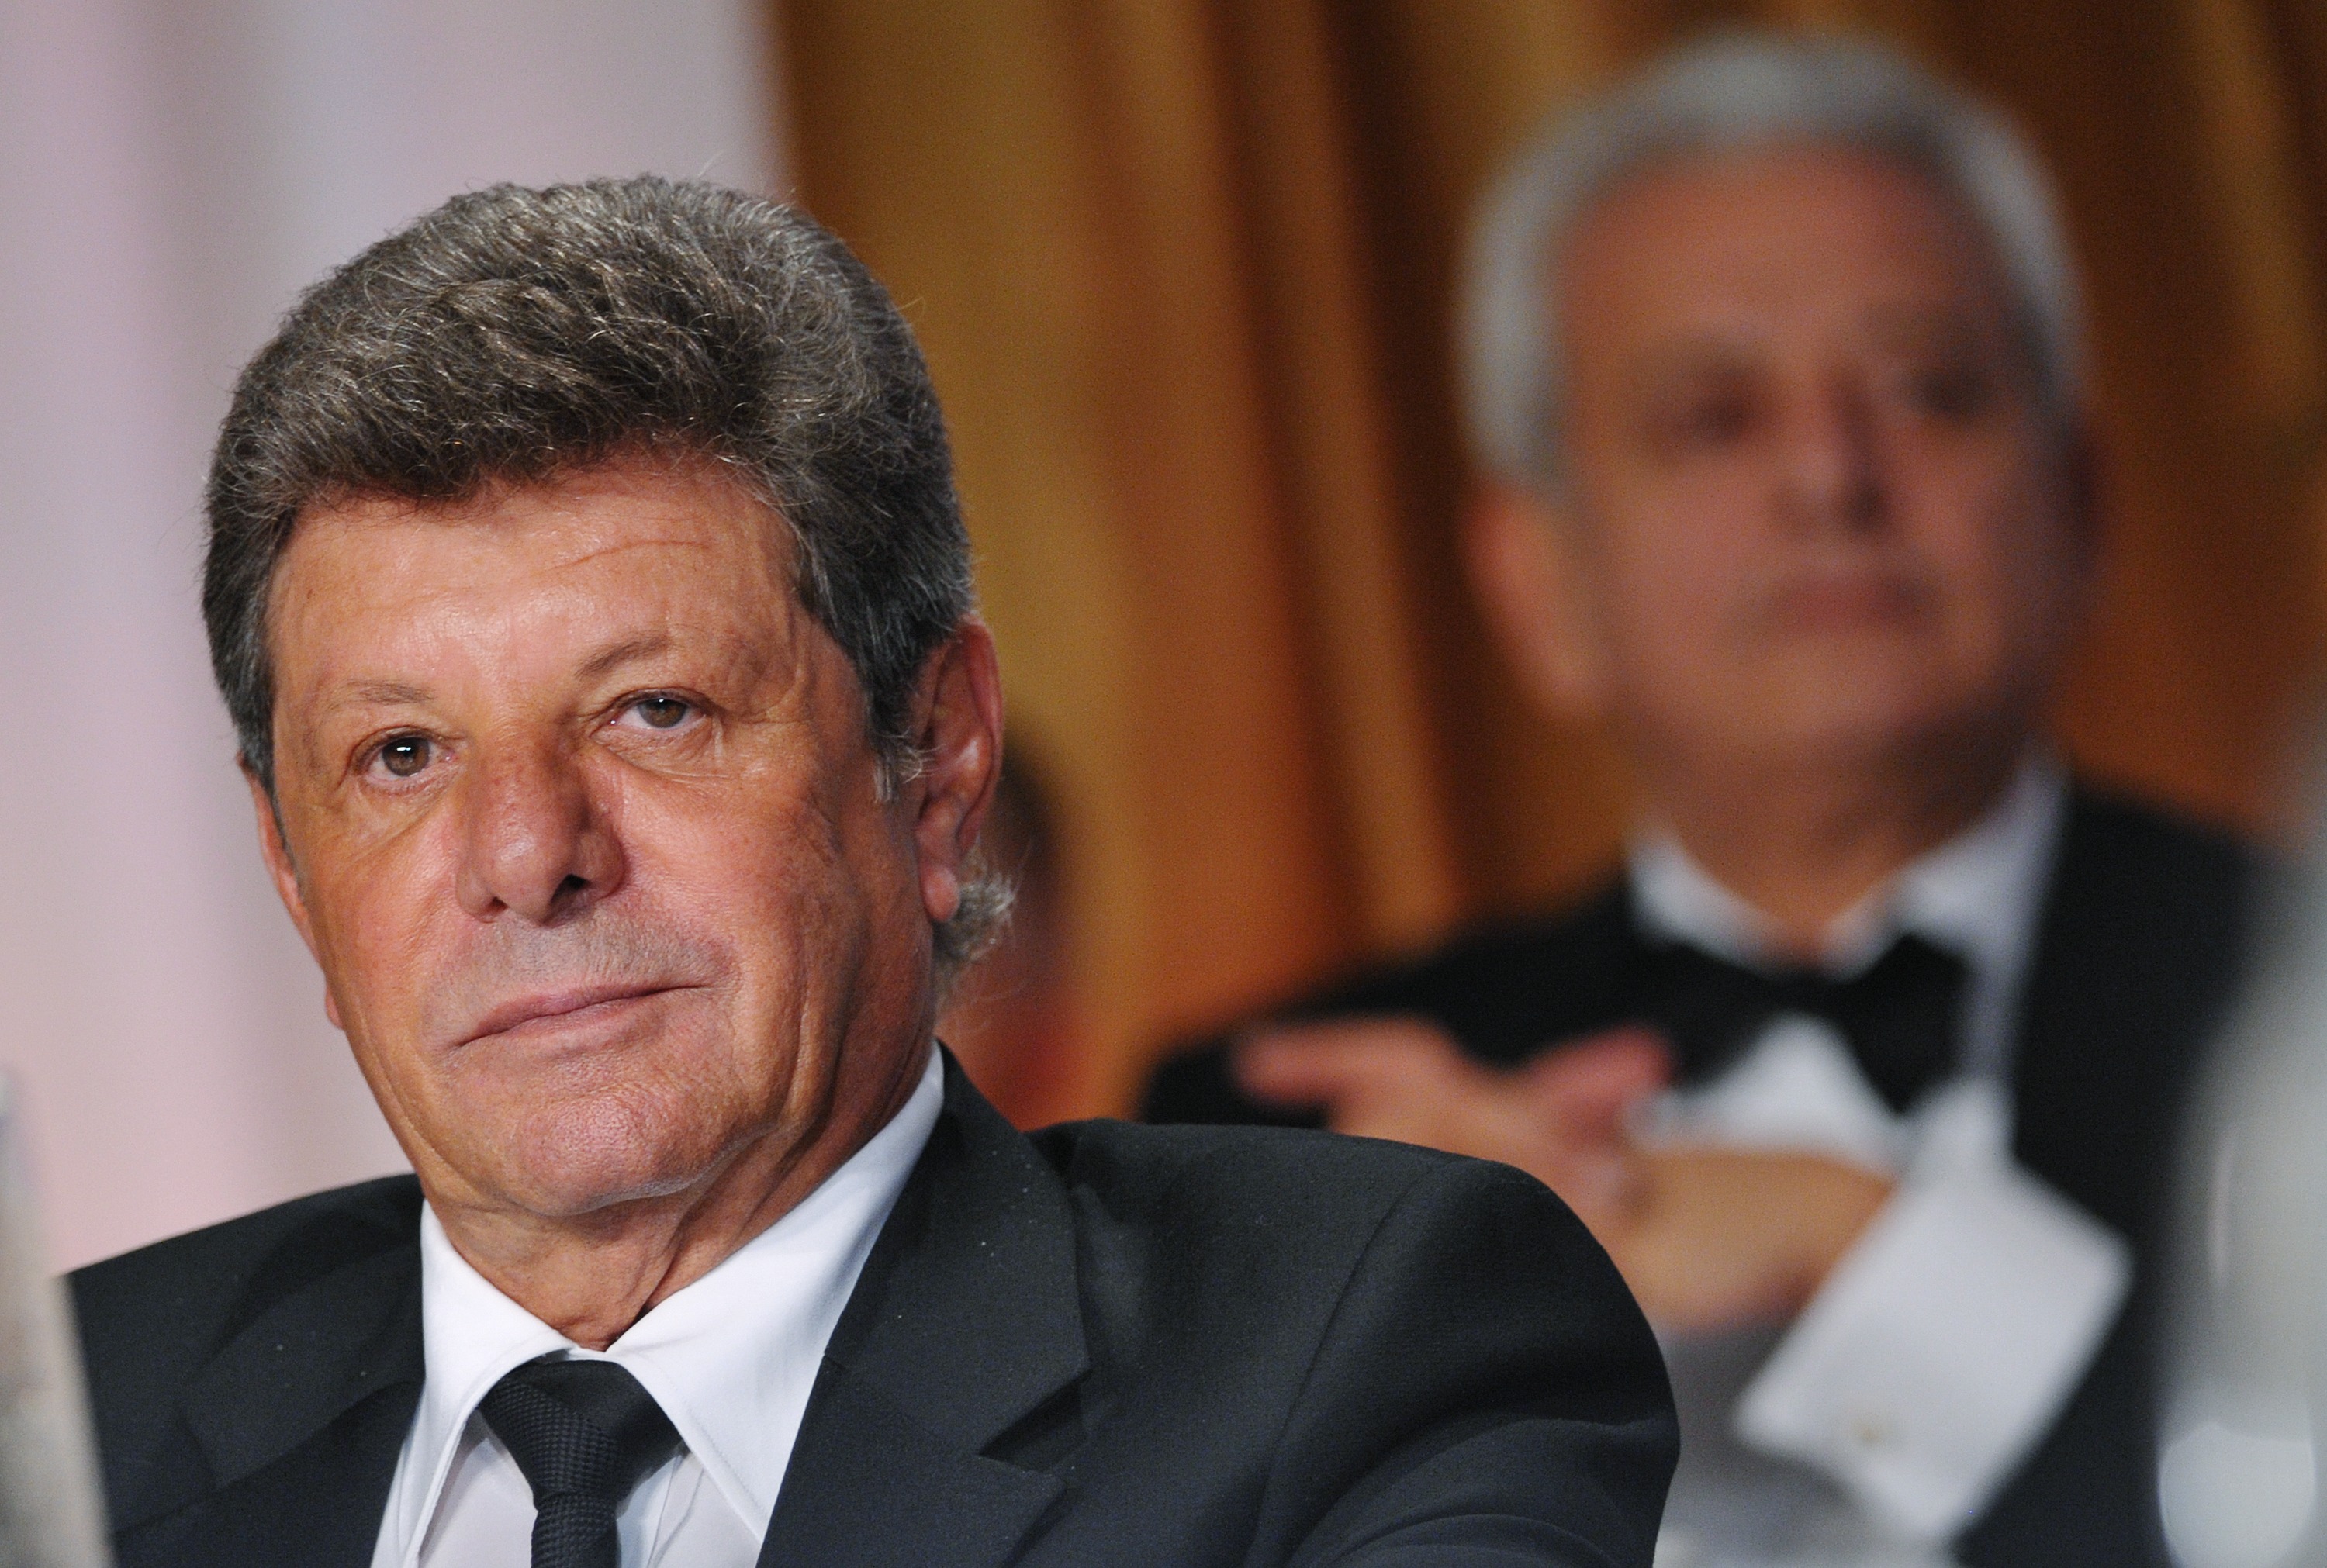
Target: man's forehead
[
  {"x": 620, "y": 568},
  {"x": 1785, "y": 222}
]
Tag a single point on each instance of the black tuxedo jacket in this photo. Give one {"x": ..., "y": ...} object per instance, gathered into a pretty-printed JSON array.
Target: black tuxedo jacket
[
  {"x": 2139, "y": 950},
  {"x": 1106, "y": 1344}
]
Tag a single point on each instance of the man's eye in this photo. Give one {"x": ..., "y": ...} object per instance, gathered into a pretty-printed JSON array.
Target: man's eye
[
  {"x": 406, "y": 756},
  {"x": 1707, "y": 421},
  {"x": 1955, "y": 393},
  {"x": 662, "y": 713},
  {"x": 1717, "y": 421}
]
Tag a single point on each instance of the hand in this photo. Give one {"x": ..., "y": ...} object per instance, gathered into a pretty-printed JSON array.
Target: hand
[
  {"x": 1716, "y": 1238},
  {"x": 1707, "y": 1237},
  {"x": 1560, "y": 1118}
]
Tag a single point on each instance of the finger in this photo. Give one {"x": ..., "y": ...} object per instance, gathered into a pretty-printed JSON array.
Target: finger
[
  {"x": 1603, "y": 1183},
  {"x": 1632, "y": 1049},
  {"x": 1590, "y": 1088},
  {"x": 1321, "y": 1063},
  {"x": 1283, "y": 1071},
  {"x": 1304, "y": 1066}
]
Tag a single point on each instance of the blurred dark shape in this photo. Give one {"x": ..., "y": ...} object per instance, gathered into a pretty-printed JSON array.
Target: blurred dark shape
[
  {"x": 2245, "y": 1397},
  {"x": 2242, "y": 1439},
  {"x": 52, "y": 1508},
  {"x": 1011, "y": 1018}
]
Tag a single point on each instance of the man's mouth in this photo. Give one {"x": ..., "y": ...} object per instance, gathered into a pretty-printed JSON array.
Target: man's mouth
[
  {"x": 549, "y": 1010},
  {"x": 1848, "y": 601}
]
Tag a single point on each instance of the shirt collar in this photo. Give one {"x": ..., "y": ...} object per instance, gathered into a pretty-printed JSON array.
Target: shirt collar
[
  {"x": 731, "y": 1359},
  {"x": 1978, "y": 894}
]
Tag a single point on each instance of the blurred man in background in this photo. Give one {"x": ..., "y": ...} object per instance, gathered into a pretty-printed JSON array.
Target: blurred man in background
[{"x": 1864, "y": 1067}]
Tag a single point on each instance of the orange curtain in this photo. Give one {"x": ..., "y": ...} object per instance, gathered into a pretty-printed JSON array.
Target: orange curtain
[{"x": 1183, "y": 273}]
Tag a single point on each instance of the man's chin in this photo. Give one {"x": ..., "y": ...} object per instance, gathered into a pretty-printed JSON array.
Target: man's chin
[
  {"x": 1865, "y": 707},
  {"x": 568, "y": 1161},
  {"x": 569, "y": 1194}
]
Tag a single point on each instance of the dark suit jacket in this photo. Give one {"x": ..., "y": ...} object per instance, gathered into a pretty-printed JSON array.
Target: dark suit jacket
[
  {"x": 1106, "y": 1344},
  {"x": 2138, "y": 951}
]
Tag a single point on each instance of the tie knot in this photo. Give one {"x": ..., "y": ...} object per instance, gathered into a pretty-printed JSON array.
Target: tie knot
[{"x": 584, "y": 1433}]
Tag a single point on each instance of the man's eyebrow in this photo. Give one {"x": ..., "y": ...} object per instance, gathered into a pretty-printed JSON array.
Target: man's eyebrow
[
  {"x": 1692, "y": 354},
  {"x": 624, "y": 652},
  {"x": 1939, "y": 320},
  {"x": 386, "y": 692}
]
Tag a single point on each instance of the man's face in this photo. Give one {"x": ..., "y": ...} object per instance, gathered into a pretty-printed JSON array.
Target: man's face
[
  {"x": 582, "y": 824},
  {"x": 1814, "y": 508}
]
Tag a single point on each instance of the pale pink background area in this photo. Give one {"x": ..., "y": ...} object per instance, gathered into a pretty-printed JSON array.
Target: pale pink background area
[{"x": 170, "y": 172}]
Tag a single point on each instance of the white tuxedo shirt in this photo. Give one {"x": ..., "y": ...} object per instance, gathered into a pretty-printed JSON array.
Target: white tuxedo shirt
[{"x": 1947, "y": 1340}]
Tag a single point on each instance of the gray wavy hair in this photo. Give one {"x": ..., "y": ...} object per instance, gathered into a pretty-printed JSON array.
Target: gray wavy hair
[
  {"x": 513, "y": 334},
  {"x": 1738, "y": 92}
]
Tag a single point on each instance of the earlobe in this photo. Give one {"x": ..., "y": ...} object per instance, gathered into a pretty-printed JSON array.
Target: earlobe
[
  {"x": 1522, "y": 564},
  {"x": 961, "y": 749}
]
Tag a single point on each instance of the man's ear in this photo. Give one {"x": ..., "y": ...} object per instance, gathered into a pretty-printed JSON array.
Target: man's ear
[
  {"x": 2085, "y": 488},
  {"x": 279, "y": 869},
  {"x": 1521, "y": 552},
  {"x": 960, "y": 738}
]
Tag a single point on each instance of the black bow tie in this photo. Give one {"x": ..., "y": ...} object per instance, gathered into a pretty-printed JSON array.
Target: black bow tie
[
  {"x": 1899, "y": 1015},
  {"x": 585, "y": 1432}
]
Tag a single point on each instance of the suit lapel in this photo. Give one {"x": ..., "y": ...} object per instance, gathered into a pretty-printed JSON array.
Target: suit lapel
[
  {"x": 967, "y": 1320},
  {"x": 2138, "y": 953},
  {"x": 2060, "y": 1080}
]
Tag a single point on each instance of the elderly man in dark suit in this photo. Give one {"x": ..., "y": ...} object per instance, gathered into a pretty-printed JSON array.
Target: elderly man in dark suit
[
  {"x": 1865, "y": 1069},
  {"x": 588, "y": 591}
]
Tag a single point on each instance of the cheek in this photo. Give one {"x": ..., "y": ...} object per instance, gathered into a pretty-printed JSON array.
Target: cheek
[
  {"x": 776, "y": 865},
  {"x": 1671, "y": 581},
  {"x": 2008, "y": 565},
  {"x": 381, "y": 934}
]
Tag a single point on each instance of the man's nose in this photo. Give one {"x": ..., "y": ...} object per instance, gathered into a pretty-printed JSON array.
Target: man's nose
[
  {"x": 536, "y": 844},
  {"x": 1833, "y": 475}
]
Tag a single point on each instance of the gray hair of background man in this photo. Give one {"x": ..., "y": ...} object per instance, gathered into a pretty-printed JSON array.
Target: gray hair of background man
[
  {"x": 1738, "y": 92},
  {"x": 513, "y": 335}
]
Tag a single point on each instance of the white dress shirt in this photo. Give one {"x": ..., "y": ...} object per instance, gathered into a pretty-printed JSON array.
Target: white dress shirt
[
  {"x": 1946, "y": 1341},
  {"x": 731, "y": 1359}
]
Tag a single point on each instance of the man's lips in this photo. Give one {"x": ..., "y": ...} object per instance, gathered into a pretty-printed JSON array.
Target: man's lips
[
  {"x": 1848, "y": 599},
  {"x": 552, "y": 1007}
]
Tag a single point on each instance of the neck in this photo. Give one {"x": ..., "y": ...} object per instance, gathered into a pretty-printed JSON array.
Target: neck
[
  {"x": 1803, "y": 840},
  {"x": 592, "y": 1276}
]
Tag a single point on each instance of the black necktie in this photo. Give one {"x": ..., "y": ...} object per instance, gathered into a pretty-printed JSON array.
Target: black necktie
[
  {"x": 1899, "y": 1015},
  {"x": 585, "y": 1432}
]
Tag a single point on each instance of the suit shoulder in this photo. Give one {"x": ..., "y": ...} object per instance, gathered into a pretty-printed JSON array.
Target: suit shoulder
[
  {"x": 1295, "y": 1267},
  {"x": 225, "y": 1259},
  {"x": 1240, "y": 1163},
  {"x": 1285, "y": 1203},
  {"x": 148, "y": 1318},
  {"x": 2153, "y": 907},
  {"x": 2116, "y": 839}
]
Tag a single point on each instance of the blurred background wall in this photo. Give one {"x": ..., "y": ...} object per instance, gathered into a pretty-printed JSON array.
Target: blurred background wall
[
  {"x": 175, "y": 170},
  {"x": 1183, "y": 269}
]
